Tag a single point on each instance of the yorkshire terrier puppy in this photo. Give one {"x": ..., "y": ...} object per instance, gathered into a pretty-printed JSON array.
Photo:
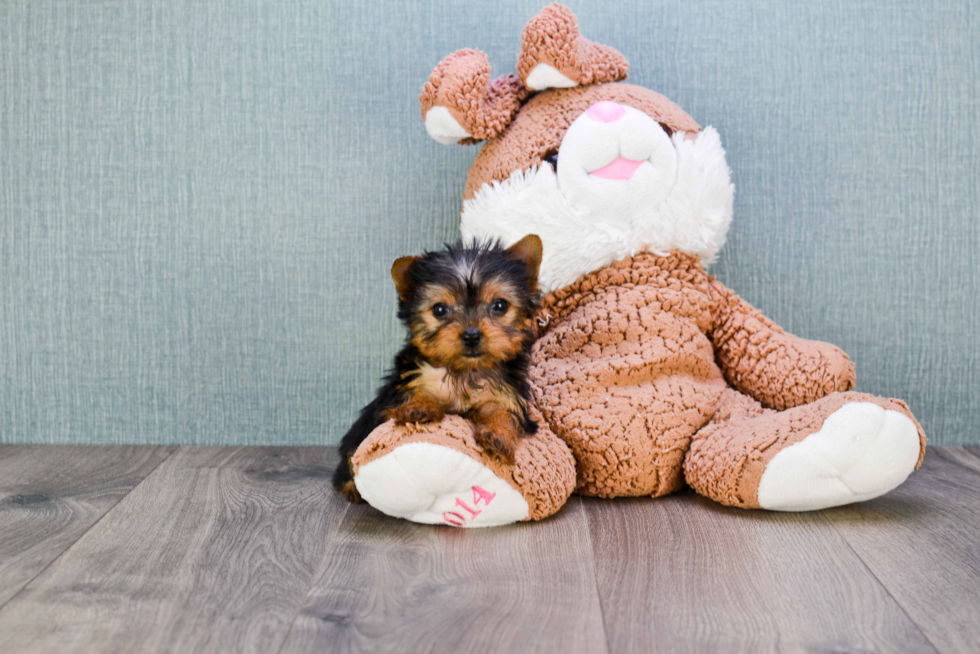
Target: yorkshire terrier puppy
[{"x": 470, "y": 312}]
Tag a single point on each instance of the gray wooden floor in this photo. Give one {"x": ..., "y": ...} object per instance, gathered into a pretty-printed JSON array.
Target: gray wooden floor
[{"x": 146, "y": 549}]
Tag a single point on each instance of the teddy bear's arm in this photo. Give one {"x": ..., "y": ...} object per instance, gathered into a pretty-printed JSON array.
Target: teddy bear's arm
[{"x": 778, "y": 369}]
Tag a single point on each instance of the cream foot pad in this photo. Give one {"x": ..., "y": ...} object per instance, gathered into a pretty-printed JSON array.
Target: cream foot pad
[
  {"x": 862, "y": 451},
  {"x": 434, "y": 484}
]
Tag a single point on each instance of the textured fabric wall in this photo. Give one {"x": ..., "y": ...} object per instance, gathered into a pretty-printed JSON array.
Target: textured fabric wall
[{"x": 200, "y": 200}]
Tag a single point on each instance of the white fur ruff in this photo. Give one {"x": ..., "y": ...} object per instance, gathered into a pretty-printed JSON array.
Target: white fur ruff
[{"x": 693, "y": 216}]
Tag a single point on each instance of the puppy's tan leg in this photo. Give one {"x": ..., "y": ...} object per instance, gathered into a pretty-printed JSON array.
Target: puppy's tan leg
[
  {"x": 417, "y": 408},
  {"x": 498, "y": 432}
]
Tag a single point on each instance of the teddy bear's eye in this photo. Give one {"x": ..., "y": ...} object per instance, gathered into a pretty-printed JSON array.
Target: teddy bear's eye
[{"x": 552, "y": 158}]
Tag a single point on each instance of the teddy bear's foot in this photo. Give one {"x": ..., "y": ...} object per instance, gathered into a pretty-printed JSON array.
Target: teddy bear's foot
[
  {"x": 844, "y": 448},
  {"x": 862, "y": 451},
  {"x": 435, "y": 484},
  {"x": 437, "y": 474}
]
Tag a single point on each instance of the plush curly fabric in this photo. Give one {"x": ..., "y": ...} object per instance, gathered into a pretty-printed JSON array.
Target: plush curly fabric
[
  {"x": 552, "y": 37},
  {"x": 626, "y": 372},
  {"x": 760, "y": 359},
  {"x": 633, "y": 365},
  {"x": 461, "y": 83}
]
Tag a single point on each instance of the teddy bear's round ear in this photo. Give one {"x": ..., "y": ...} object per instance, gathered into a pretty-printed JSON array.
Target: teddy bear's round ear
[
  {"x": 461, "y": 105},
  {"x": 555, "y": 55}
]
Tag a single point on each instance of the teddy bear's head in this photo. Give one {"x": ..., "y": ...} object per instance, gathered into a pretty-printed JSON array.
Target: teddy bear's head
[{"x": 599, "y": 169}]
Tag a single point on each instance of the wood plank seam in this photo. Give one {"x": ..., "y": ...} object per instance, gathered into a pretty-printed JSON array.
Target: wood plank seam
[
  {"x": 880, "y": 583},
  {"x": 212, "y": 553},
  {"x": 443, "y": 589},
  {"x": 313, "y": 579},
  {"x": 595, "y": 576},
  {"x": 90, "y": 527},
  {"x": 943, "y": 454}
]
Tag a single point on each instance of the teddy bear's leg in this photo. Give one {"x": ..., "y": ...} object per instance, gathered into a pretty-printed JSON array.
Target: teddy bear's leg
[
  {"x": 844, "y": 448},
  {"x": 437, "y": 474}
]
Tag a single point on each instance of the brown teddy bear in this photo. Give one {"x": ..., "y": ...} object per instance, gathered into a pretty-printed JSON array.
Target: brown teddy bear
[{"x": 648, "y": 374}]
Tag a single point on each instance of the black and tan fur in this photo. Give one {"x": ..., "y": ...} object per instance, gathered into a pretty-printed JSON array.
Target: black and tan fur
[{"x": 470, "y": 316}]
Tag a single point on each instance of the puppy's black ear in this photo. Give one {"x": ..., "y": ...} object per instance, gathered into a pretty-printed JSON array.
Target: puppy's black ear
[
  {"x": 528, "y": 250},
  {"x": 399, "y": 274}
]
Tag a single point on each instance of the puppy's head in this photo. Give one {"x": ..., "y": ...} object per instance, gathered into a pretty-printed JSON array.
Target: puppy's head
[{"x": 470, "y": 307}]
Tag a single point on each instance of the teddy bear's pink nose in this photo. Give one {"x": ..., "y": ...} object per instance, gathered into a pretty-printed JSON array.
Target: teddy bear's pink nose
[{"x": 606, "y": 111}]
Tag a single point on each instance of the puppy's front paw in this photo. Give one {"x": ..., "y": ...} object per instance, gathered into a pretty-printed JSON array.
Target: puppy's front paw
[
  {"x": 349, "y": 490},
  {"x": 416, "y": 410},
  {"x": 500, "y": 443}
]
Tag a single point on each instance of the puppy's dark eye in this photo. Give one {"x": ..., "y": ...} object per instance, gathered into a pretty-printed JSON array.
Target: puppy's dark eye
[
  {"x": 499, "y": 306},
  {"x": 440, "y": 310},
  {"x": 552, "y": 158}
]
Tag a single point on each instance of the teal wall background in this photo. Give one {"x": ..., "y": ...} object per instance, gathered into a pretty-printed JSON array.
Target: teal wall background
[{"x": 200, "y": 200}]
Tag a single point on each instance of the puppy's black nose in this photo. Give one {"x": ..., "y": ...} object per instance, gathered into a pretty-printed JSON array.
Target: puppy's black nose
[{"x": 471, "y": 337}]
